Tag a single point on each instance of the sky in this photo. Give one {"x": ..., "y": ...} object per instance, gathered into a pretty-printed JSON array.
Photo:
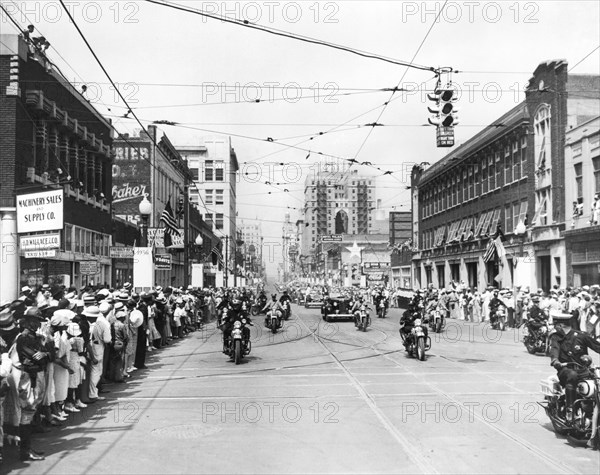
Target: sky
[{"x": 205, "y": 75}]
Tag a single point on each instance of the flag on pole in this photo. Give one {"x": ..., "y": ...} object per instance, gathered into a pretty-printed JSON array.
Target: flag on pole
[
  {"x": 168, "y": 219},
  {"x": 490, "y": 251},
  {"x": 216, "y": 251}
]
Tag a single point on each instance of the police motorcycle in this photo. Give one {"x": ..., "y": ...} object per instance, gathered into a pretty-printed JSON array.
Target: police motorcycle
[
  {"x": 413, "y": 333},
  {"x": 362, "y": 318},
  {"x": 274, "y": 320},
  {"x": 434, "y": 317},
  {"x": 382, "y": 307},
  {"x": 258, "y": 305},
  {"x": 237, "y": 344},
  {"x": 582, "y": 428},
  {"x": 537, "y": 340},
  {"x": 498, "y": 319},
  {"x": 287, "y": 309}
]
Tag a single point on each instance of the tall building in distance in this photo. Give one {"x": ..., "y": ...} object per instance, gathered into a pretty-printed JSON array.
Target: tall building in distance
[
  {"x": 252, "y": 249},
  {"x": 336, "y": 202},
  {"x": 214, "y": 166}
]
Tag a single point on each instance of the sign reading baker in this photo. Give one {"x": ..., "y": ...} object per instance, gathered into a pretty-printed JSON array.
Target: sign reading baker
[
  {"x": 131, "y": 172},
  {"x": 40, "y": 211}
]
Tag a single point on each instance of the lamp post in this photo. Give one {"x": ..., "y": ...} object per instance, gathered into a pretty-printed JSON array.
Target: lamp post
[
  {"x": 145, "y": 209},
  {"x": 199, "y": 242}
]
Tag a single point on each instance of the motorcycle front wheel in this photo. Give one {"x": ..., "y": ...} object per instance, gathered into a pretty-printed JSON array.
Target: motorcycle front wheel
[
  {"x": 237, "y": 352},
  {"x": 421, "y": 349}
]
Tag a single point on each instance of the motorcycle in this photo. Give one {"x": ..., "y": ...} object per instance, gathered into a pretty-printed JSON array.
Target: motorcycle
[
  {"x": 273, "y": 321},
  {"x": 381, "y": 309},
  {"x": 582, "y": 429},
  {"x": 258, "y": 305},
  {"x": 537, "y": 341},
  {"x": 362, "y": 318},
  {"x": 287, "y": 309},
  {"x": 436, "y": 321},
  {"x": 498, "y": 319},
  {"x": 416, "y": 342},
  {"x": 238, "y": 345}
]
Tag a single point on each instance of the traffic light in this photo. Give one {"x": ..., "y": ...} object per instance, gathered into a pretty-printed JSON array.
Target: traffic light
[{"x": 445, "y": 110}]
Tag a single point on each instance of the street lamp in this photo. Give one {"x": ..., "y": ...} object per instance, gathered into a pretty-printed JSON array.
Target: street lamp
[
  {"x": 145, "y": 210},
  {"x": 198, "y": 243}
]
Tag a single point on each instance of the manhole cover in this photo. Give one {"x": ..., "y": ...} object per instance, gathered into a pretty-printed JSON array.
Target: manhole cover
[{"x": 185, "y": 431}]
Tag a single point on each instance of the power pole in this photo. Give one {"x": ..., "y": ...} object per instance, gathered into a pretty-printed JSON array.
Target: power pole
[
  {"x": 226, "y": 260},
  {"x": 186, "y": 236}
]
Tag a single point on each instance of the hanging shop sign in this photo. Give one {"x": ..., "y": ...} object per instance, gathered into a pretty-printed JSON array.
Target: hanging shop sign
[
  {"x": 156, "y": 238},
  {"x": 40, "y": 211},
  {"x": 120, "y": 252},
  {"x": 39, "y": 254},
  {"x": 39, "y": 242},
  {"x": 163, "y": 261}
]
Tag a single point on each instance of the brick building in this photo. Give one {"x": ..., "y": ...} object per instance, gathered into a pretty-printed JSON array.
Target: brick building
[
  {"x": 509, "y": 173},
  {"x": 582, "y": 202},
  {"x": 400, "y": 223},
  {"x": 51, "y": 139}
]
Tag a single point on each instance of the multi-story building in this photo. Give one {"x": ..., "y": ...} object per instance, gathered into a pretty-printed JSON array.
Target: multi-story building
[
  {"x": 214, "y": 166},
  {"x": 251, "y": 235},
  {"x": 582, "y": 202},
  {"x": 400, "y": 223},
  {"x": 55, "y": 169},
  {"x": 509, "y": 178},
  {"x": 335, "y": 202}
]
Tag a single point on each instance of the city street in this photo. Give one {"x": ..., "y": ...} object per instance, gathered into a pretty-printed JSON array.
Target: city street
[{"x": 322, "y": 398}]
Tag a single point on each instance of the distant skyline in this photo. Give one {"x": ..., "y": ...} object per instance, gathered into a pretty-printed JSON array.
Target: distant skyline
[{"x": 205, "y": 75}]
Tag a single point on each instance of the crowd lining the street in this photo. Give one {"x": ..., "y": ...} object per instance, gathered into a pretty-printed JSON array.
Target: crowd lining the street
[{"x": 61, "y": 347}]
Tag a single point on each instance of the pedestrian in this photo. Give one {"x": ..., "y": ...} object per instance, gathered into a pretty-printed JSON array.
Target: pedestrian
[
  {"x": 77, "y": 362},
  {"x": 99, "y": 338}
]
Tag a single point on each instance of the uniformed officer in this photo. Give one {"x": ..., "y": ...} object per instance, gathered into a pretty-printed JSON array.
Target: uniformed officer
[{"x": 568, "y": 345}]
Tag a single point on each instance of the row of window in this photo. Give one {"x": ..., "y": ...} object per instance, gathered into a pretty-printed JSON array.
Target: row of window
[
  {"x": 218, "y": 222},
  {"x": 579, "y": 178},
  {"x": 477, "y": 179}
]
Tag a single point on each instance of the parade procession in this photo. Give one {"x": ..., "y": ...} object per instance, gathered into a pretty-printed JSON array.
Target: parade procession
[{"x": 378, "y": 252}]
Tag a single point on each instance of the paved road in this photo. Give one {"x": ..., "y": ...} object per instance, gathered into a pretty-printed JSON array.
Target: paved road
[{"x": 323, "y": 398}]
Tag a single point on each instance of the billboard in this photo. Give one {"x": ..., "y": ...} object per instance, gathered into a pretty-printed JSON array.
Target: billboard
[{"x": 131, "y": 172}]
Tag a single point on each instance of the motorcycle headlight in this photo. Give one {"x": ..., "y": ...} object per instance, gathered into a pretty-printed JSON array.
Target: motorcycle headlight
[
  {"x": 417, "y": 322},
  {"x": 543, "y": 330},
  {"x": 244, "y": 321}
]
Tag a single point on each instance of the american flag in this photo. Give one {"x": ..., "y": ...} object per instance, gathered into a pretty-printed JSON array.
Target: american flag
[
  {"x": 490, "y": 251},
  {"x": 168, "y": 219},
  {"x": 217, "y": 252}
]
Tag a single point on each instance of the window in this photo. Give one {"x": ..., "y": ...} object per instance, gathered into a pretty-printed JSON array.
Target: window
[
  {"x": 208, "y": 197},
  {"x": 491, "y": 173},
  {"x": 218, "y": 197},
  {"x": 471, "y": 184},
  {"x": 524, "y": 157},
  {"x": 507, "y": 165},
  {"x": 579, "y": 182},
  {"x": 208, "y": 217},
  {"x": 465, "y": 186},
  {"x": 195, "y": 175},
  {"x": 542, "y": 137},
  {"x": 208, "y": 170},
  {"x": 498, "y": 170},
  {"x": 542, "y": 207},
  {"x": 68, "y": 241},
  {"x": 594, "y": 142},
  {"x": 596, "y": 162},
  {"x": 219, "y": 170},
  {"x": 516, "y": 158},
  {"x": 484, "y": 177},
  {"x": 219, "y": 221},
  {"x": 508, "y": 219}
]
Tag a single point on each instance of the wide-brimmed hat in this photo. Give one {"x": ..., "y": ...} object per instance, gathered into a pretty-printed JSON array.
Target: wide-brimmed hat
[
  {"x": 89, "y": 299},
  {"x": 127, "y": 285},
  {"x": 104, "y": 307},
  {"x": 45, "y": 287},
  {"x": 121, "y": 314},
  {"x": 122, "y": 297},
  {"x": 7, "y": 320},
  {"x": 119, "y": 306},
  {"x": 26, "y": 289},
  {"x": 59, "y": 319},
  {"x": 136, "y": 318},
  {"x": 92, "y": 312},
  {"x": 561, "y": 317}
]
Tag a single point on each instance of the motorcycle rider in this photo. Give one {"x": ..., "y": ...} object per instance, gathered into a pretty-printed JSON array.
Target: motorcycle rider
[
  {"x": 380, "y": 297},
  {"x": 235, "y": 313},
  {"x": 408, "y": 320},
  {"x": 273, "y": 306},
  {"x": 355, "y": 309},
  {"x": 286, "y": 298},
  {"x": 568, "y": 345},
  {"x": 537, "y": 317},
  {"x": 495, "y": 304}
]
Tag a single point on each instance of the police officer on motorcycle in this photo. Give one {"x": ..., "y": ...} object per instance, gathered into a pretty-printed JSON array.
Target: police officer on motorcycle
[
  {"x": 568, "y": 345},
  {"x": 235, "y": 313},
  {"x": 286, "y": 298},
  {"x": 274, "y": 306},
  {"x": 537, "y": 317},
  {"x": 495, "y": 304}
]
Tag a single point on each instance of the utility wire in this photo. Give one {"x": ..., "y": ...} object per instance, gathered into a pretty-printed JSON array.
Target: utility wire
[{"x": 273, "y": 31}]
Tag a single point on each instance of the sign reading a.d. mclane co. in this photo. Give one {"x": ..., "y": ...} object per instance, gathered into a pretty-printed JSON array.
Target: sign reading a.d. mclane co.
[
  {"x": 332, "y": 238},
  {"x": 40, "y": 211}
]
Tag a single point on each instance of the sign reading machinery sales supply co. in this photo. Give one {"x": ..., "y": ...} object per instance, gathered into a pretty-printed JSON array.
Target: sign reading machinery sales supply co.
[{"x": 40, "y": 211}]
